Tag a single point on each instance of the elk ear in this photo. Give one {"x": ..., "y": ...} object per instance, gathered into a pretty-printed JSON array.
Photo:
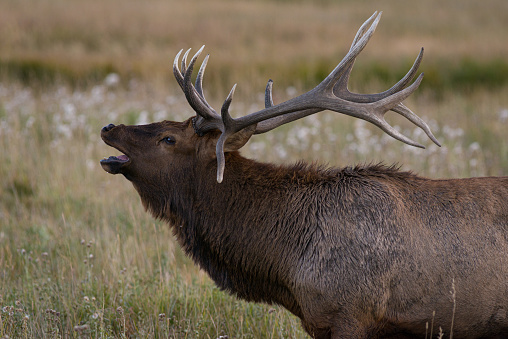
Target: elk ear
[{"x": 239, "y": 139}]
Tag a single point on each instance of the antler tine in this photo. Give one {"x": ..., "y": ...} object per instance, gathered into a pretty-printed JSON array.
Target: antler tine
[
  {"x": 308, "y": 100},
  {"x": 176, "y": 71},
  {"x": 341, "y": 85},
  {"x": 389, "y": 103},
  {"x": 205, "y": 113},
  {"x": 227, "y": 127},
  {"x": 184, "y": 60},
  {"x": 410, "y": 75},
  {"x": 363, "y": 27},
  {"x": 267, "y": 125},
  {"x": 184, "y": 84},
  {"x": 195, "y": 100},
  {"x": 268, "y": 94},
  {"x": 226, "y": 118},
  {"x": 415, "y": 119},
  {"x": 199, "y": 78},
  {"x": 341, "y": 90},
  {"x": 178, "y": 74},
  {"x": 359, "y": 34},
  {"x": 355, "y": 49}
]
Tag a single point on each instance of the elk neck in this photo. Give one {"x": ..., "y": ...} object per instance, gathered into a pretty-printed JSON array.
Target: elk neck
[{"x": 236, "y": 231}]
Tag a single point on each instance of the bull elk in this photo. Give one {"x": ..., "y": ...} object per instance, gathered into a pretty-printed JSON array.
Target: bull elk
[{"x": 360, "y": 252}]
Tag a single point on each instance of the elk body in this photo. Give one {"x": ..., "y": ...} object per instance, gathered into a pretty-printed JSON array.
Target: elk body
[{"x": 361, "y": 252}]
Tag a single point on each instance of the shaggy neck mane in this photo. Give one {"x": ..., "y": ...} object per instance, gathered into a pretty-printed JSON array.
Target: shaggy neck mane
[{"x": 220, "y": 225}]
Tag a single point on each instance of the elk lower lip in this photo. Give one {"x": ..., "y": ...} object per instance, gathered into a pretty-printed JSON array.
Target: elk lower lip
[{"x": 113, "y": 164}]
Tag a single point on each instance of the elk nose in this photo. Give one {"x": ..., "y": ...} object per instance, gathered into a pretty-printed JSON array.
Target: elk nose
[{"x": 108, "y": 128}]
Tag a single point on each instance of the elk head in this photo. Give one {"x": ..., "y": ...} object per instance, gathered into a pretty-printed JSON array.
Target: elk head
[
  {"x": 207, "y": 136},
  {"x": 155, "y": 149}
]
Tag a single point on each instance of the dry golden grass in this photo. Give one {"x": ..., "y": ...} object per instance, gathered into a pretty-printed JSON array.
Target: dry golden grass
[
  {"x": 54, "y": 193},
  {"x": 248, "y": 41}
]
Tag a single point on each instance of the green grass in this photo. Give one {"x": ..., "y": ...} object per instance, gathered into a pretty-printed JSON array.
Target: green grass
[
  {"x": 39, "y": 72},
  {"x": 466, "y": 74},
  {"x": 79, "y": 257}
]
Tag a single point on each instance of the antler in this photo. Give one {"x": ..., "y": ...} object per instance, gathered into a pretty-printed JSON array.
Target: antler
[{"x": 332, "y": 94}]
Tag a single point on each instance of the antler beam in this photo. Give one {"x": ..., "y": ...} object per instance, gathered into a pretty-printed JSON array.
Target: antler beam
[{"x": 331, "y": 94}]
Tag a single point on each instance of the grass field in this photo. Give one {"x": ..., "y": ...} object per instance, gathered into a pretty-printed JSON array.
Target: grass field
[{"x": 79, "y": 257}]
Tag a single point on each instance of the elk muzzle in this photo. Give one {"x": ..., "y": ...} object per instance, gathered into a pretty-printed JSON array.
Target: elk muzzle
[{"x": 113, "y": 164}]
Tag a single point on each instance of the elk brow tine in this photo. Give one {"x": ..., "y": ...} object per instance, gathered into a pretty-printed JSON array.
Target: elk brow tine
[
  {"x": 227, "y": 129},
  {"x": 221, "y": 161}
]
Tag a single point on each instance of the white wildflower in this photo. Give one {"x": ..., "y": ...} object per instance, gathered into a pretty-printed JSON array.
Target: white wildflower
[
  {"x": 474, "y": 147},
  {"x": 503, "y": 115},
  {"x": 281, "y": 151},
  {"x": 112, "y": 80}
]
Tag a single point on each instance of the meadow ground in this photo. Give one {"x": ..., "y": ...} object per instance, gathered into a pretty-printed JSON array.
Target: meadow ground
[{"x": 79, "y": 257}]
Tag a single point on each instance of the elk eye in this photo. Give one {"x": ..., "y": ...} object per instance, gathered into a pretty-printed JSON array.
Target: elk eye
[{"x": 169, "y": 140}]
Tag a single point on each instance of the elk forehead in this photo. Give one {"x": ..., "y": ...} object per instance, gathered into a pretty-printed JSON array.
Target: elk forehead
[
  {"x": 125, "y": 134},
  {"x": 157, "y": 129}
]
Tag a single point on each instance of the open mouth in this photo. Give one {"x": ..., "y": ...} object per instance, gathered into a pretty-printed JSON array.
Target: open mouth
[{"x": 114, "y": 164}]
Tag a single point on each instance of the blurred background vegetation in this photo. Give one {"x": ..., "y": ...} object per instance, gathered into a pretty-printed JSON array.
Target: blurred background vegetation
[
  {"x": 79, "y": 257},
  {"x": 295, "y": 42}
]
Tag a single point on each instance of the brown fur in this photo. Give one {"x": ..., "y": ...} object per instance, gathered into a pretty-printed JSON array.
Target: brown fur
[{"x": 359, "y": 252}]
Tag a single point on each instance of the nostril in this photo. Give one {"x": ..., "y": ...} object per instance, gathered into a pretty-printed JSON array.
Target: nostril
[{"x": 108, "y": 127}]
